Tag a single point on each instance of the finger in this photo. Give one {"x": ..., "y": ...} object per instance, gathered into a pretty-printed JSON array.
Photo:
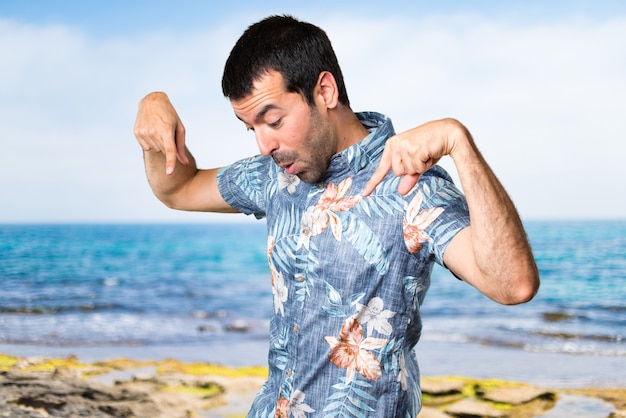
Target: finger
[
  {"x": 407, "y": 182},
  {"x": 141, "y": 138},
  {"x": 144, "y": 144},
  {"x": 416, "y": 167},
  {"x": 180, "y": 143},
  {"x": 170, "y": 155},
  {"x": 398, "y": 163},
  {"x": 147, "y": 143},
  {"x": 381, "y": 171}
]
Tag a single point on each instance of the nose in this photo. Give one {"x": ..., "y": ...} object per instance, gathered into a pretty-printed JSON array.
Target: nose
[{"x": 266, "y": 142}]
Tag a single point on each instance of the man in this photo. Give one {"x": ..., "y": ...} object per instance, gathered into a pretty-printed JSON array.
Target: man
[{"x": 350, "y": 244}]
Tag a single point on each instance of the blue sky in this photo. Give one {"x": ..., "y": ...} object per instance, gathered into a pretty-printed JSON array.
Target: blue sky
[
  {"x": 124, "y": 18},
  {"x": 539, "y": 84}
]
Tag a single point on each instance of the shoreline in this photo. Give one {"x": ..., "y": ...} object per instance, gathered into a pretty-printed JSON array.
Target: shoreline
[
  {"x": 558, "y": 370},
  {"x": 32, "y": 387}
]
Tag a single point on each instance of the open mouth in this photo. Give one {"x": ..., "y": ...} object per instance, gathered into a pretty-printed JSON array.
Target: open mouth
[{"x": 289, "y": 168}]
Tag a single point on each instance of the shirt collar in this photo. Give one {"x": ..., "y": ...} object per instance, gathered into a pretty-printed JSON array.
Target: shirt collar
[{"x": 359, "y": 155}]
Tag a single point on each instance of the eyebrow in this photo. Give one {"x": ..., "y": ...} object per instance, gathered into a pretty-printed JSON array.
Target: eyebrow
[{"x": 261, "y": 114}]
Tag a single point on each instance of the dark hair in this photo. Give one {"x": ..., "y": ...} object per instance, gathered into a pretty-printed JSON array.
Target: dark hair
[{"x": 298, "y": 50}]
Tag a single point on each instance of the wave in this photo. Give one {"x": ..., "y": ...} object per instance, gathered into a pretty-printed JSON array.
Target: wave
[
  {"x": 61, "y": 309},
  {"x": 579, "y": 336}
]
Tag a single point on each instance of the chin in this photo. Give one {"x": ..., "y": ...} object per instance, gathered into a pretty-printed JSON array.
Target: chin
[{"x": 308, "y": 177}]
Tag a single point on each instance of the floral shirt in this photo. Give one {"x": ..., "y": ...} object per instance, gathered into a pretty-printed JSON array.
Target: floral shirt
[{"x": 348, "y": 276}]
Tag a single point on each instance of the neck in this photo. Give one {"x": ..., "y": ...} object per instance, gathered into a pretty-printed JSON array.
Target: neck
[{"x": 348, "y": 128}]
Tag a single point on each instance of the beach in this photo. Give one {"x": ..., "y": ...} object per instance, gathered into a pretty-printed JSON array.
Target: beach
[
  {"x": 175, "y": 380},
  {"x": 556, "y": 370}
]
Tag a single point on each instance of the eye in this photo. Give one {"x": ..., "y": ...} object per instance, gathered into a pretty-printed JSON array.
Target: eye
[{"x": 275, "y": 124}]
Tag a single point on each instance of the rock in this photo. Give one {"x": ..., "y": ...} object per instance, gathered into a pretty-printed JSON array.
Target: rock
[
  {"x": 7, "y": 411},
  {"x": 207, "y": 328},
  {"x": 470, "y": 408},
  {"x": 618, "y": 414},
  {"x": 517, "y": 395},
  {"x": 437, "y": 387},
  {"x": 143, "y": 377},
  {"x": 427, "y": 412},
  {"x": 35, "y": 395},
  {"x": 238, "y": 326}
]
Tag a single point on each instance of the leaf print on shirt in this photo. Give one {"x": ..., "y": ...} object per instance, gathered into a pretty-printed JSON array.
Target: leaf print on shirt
[
  {"x": 279, "y": 290},
  {"x": 415, "y": 223},
  {"x": 375, "y": 316},
  {"x": 352, "y": 352},
  {"x": 350, "y": 399},
  {"x": 336, "y": 307},
  {"x": 416, "y": 287},
  {"x": 384, "y": 200},
  {"x": 317, "y": 218},
  {"x": 402, "y": 374}
]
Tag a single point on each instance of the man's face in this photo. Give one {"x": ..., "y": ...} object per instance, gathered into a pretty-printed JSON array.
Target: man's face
[{"x": 286, "y": 128}]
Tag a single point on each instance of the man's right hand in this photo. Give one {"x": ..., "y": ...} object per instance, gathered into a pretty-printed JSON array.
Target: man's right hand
[{"x": 159, "y": 129}]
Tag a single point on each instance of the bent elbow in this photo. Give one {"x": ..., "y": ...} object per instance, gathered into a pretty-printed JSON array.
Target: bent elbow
[
  {"x": 171, "y": 198},
  {"x": 524, "y": 291},
  {"x": 169, "y": 201},
  {"x": 173, "y": 204}
]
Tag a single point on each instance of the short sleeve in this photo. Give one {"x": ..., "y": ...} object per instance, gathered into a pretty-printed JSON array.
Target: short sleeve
[
  {"x": 441, "y": 192},
  {"x": 243, "y": 184}
]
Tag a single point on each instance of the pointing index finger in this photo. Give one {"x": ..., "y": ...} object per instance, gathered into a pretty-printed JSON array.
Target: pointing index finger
[
  {"x": 170, "y": 151},
  {"x": 381, "y": 171}
]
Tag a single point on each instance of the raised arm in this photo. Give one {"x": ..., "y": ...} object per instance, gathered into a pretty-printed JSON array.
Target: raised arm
[
  {"x": 161, "y": 134},
  {"x": 493, "y": 253}
]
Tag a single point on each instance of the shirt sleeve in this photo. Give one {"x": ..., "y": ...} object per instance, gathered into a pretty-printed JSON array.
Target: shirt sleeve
[
  {"x": 441, "y": 192},
  {"x": 243, "y": 183}
]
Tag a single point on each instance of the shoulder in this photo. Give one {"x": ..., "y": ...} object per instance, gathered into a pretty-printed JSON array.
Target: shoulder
[{"x": 242, "y": 183}]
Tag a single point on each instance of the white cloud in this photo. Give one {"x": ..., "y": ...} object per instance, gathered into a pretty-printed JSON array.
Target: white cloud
[{"x": 544, "y": 102}]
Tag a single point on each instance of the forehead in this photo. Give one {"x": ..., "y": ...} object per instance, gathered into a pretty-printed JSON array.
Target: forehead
[{"x": 267, "y": 93}]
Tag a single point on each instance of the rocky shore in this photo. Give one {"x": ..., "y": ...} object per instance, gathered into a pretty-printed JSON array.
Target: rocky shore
[{"x": 65, "y": 387}]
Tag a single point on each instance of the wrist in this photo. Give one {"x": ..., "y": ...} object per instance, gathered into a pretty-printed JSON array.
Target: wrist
[{"x": 462, "y": 146}]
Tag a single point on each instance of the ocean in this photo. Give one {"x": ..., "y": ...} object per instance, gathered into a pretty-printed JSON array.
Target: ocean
[{"x": 202, "y": 291}]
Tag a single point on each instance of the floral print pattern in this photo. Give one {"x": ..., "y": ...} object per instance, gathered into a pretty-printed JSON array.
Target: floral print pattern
[
  {"x": 288, "y": 181},
  {"x": 282, "y": 408},
  {"x": 375, "y": 316},
  {"x": 352, "y": 352},
  {"x": 348, "y": 274},
  {"x": 317, "y": 218},
  {"x": 279, "y": 290},
  {"x": 415, "y": 223},
  {"x": 297, "y": 407}
]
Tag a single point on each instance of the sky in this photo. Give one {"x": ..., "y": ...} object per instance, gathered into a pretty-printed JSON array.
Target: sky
[{"x": 539, "y": 84}]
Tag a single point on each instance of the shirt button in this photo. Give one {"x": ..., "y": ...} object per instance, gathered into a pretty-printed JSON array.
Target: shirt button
[
  {"x": 300, "y": 278},
  {"x": 295, "y": 328},
  {"x": 320, "y": 185},
  {"x": 288, "y": 373}
]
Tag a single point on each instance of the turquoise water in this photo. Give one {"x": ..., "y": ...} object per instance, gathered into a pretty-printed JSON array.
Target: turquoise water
[{"x": 142, "y": 285}]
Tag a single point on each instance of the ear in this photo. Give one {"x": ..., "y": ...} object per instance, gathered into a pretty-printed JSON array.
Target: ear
[{"x": 326, "y": 93}]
